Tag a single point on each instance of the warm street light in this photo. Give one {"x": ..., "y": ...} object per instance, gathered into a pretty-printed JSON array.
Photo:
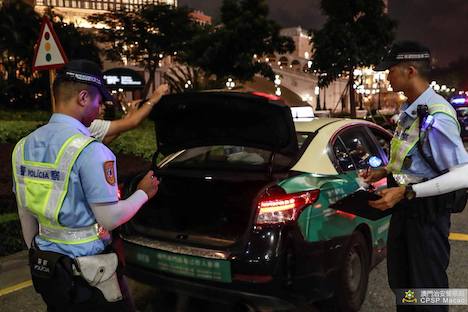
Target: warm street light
[
  {"x": 278, "y": 91},
  {"x": 277, "y": 80},
  {"x": 230, "y": 84},
  {"x": 317, "y": 96}
]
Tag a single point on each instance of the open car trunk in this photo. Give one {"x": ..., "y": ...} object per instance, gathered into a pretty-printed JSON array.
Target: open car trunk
[
  {"x": 212, "y": 211},
  {"x": 241, "y": 139}
]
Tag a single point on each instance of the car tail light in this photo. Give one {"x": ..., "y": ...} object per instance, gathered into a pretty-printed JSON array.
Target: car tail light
[
  {"x": 282, "y": 208},
  {"x": 268, "y": 96}
]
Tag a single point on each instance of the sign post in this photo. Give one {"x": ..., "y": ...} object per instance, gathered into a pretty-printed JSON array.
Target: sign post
[{"x": 49, "y": 54}]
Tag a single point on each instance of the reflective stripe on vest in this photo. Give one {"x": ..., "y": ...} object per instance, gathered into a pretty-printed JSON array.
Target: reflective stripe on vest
[
  {"x": 41, "y": 188},
  {"x": 405, "y": 139}
]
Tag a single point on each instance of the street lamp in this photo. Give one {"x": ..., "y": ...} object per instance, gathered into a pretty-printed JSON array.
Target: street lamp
[
  {"x": 324, "y": 98},
  {"x": 277, "y": 85},
  {"x": 278, "y": 91},
  {"x": 230, "y": 84},
  {"x": 317, "y": 96}
]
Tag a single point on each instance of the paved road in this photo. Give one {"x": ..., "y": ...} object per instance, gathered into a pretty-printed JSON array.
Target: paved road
[{"x": 13, "y": 271}]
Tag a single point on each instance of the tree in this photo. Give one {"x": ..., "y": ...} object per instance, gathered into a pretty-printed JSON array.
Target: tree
[
  {"x": 182, "y": 78},
  {"x": 19, "y": 30},
  {"x": 147, "y": 35},
  {"x": 356, "y": 33},
  {"x": 228, "y": 49}
]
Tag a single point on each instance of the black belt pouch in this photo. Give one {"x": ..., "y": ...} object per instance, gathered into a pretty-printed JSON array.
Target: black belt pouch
[{"x": 52, "y": 275}]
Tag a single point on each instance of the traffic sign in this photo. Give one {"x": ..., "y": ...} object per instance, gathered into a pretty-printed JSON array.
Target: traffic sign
[{"x": 49, "y": 53}]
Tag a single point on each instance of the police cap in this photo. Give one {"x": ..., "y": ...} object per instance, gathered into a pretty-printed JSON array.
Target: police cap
[
  {"x": 84, "y": 71},
  {"x": 404, "y": 51}
]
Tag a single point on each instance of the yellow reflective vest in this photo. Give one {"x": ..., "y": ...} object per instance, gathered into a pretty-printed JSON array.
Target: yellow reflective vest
[
  {"x": 41, "y": 188},
  {"x": 405, "y": 139}
]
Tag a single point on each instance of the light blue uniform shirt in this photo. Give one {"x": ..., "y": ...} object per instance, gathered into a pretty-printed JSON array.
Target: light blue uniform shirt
[
  {"x": 446, "y": 145},
  {"x": 87, "y": 184}
]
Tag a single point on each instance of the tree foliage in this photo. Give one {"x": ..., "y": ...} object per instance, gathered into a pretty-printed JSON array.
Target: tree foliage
[
  {"x": 356, "y": 33},
  {"x": 147, "y": 35},
  {"x": 182, "y": 78},
  {"x": 228, "y": 49},
  {"x": 19, "y": 30}
]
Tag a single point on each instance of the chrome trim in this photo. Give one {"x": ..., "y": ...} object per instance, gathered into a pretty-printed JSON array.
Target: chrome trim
[{"x": 178, "y": 249}]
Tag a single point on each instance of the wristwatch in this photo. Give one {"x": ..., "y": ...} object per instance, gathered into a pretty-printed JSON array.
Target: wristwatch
[{"x": 409, "y": 192}]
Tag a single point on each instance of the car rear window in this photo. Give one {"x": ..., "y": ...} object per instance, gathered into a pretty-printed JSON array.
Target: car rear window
[
  {"x": 230, "y": 156},
  {"x": 226, "y": 156}
]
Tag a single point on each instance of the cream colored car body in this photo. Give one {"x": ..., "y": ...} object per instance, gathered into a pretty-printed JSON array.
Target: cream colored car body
[{"x": 318, "y": 148}]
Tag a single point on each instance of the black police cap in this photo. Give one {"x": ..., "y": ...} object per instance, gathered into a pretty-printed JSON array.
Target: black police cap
[
  {"x": 404, "y": 51},
  {"x": 84, "y": 71}
]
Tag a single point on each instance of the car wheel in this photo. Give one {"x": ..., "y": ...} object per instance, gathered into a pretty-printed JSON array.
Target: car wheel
[{"x": 354, "y": 274}]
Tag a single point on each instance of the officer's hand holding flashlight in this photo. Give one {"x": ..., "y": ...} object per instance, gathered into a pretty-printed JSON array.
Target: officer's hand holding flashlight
[{"x": 149, "y": 184}]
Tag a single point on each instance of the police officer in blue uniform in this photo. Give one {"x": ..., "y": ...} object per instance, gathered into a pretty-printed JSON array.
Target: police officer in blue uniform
[
  {"x": 426, "y": 142},
  {"x": 66, "y": 189}
]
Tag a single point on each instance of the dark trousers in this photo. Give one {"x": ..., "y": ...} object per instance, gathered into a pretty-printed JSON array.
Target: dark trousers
[{"x": 418, "y": 253}]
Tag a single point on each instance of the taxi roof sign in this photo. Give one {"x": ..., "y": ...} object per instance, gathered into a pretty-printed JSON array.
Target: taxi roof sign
[{"x": 49, "y": 53}]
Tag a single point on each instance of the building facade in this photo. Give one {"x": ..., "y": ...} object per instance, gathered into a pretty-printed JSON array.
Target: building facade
[{"x": 101, "y": 5}]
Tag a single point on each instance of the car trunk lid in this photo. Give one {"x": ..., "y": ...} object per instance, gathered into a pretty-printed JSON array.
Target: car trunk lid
[{"x": 223, "y": 118}]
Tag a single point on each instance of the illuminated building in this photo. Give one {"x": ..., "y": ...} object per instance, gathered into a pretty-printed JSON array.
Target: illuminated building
[{"x": 76, "y": 11}]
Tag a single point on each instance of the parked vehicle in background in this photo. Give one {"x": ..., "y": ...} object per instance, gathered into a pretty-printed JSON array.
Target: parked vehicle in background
[
  {"x": 460, "y": 103},
  {"x": 243, "y": 209}
]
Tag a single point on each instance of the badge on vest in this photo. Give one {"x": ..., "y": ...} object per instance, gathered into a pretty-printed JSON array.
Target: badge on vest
[{"x": 109, "y": 172}]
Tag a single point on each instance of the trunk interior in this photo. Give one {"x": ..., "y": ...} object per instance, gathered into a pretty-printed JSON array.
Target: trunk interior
[{"x": 211, "y": 210}]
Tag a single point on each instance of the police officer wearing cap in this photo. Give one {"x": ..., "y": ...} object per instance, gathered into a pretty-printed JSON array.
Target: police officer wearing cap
[
  {"x": 66, "y": 189},
  {"x": 426, "y": 143}
]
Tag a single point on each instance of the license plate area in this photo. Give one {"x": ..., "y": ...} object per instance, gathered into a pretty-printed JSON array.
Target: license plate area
[{"x": 184, "y": 265}]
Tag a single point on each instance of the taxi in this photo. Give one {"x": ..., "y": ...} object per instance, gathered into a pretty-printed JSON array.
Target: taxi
[{"x": 244, "y": 212}]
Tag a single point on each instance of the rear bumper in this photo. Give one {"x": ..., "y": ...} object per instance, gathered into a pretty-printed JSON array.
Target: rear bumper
[
  {"x": 314, "y": 268},
  {"x": 204, "y": 291}
]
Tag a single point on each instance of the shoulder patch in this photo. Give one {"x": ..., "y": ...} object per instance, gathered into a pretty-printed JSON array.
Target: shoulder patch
[{"x": 109, "y": 172}]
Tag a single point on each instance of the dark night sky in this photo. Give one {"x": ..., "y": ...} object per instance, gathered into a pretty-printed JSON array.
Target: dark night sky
[{"x": 441, "y": 25}]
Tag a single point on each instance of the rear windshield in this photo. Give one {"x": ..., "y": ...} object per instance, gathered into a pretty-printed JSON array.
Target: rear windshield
[{"x": 229, "y": 156}]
